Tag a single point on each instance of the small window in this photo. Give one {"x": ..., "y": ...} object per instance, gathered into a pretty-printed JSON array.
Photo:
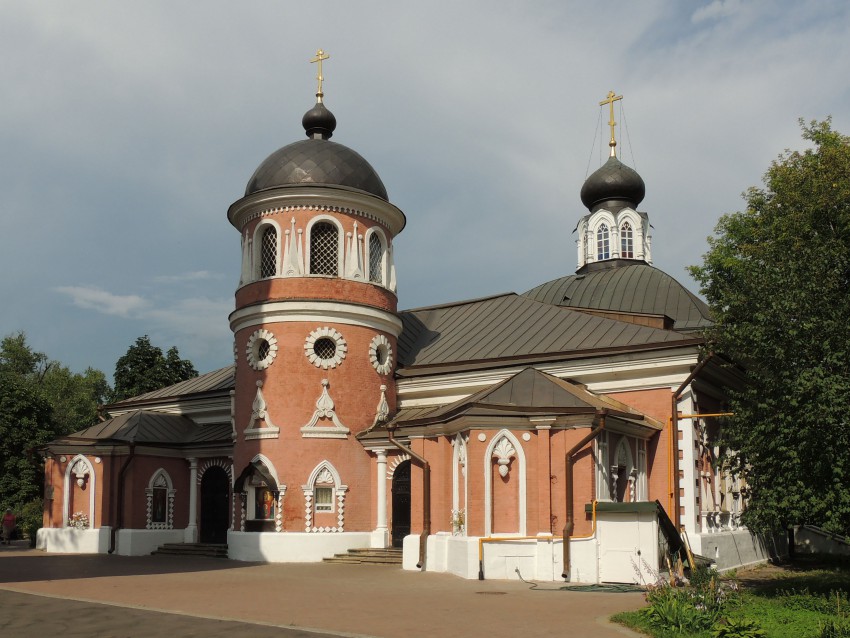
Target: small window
[
  {"x": 627, "y": 250},
  {"x": 376, "y": 259},
  {"x": 324, "y": 257},
  {"x": 603, "y": 243},
  {"x": 324, "y": 499},
  {"x": 159, "y": 500},
  {"x": 268, "y": 253}
]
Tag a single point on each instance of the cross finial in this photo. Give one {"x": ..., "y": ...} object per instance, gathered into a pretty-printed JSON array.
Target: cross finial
[
  {"x": 320, "y": 56},
  {"x": 609, "y": 100}
]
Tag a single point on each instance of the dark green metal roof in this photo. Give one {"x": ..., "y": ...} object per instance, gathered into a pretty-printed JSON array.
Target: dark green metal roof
[
  {"x": 512, "y": 328},
  {"x": 634, "y": 288},
  {"x": 149, "y": 427}
]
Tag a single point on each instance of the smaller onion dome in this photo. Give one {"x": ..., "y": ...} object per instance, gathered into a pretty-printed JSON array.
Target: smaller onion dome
[
  {"x": 319, "y": 122},
  {"x": 614, "y": 182}
]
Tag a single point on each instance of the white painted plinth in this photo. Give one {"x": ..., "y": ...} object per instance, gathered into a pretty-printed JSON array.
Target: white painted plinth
[
  {"x": 141, "y": 542},
  {"x": 292, "y": 547},
  {"x": 731, "y": 549},
  {"x": 69, "y": 540}
]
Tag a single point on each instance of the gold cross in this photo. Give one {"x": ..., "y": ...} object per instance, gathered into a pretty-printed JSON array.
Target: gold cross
[
  {"x": 610, "y": 99},
  {"x": 320, "y": 56}
]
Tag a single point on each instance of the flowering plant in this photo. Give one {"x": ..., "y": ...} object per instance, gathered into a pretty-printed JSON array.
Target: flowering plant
[
  {"x": 79, "y": 520},
  {"x": 458, "y": 521}
]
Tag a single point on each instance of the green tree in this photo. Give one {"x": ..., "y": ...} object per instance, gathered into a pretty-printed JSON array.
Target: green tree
[
  {"x": 145, "y": 368},
  {"x": 40, "y": 399},
  {"x": 777, "y": 277}
]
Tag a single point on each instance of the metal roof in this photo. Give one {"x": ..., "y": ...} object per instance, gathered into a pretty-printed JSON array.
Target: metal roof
[
  {"x": 636, "y": 288},
  {"x": 222, "y": 379},
  {"x": 511, "y": 326},
  {"x": 146, "y": 426}
]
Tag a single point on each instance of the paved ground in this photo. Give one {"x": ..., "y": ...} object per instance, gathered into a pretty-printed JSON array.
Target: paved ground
[{"x": 50, "y": 594}]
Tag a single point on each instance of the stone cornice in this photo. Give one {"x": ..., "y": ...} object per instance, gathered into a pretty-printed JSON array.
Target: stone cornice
[{"x": 318, "y": 312}]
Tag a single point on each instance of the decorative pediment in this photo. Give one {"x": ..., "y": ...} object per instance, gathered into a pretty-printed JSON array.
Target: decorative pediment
[
  {"x": 325, "y": 411},
  {"x": 260, "y": 426}
]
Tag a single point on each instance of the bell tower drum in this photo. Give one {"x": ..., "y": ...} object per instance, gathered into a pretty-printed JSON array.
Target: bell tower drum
[{"x": 315, "y": 331}]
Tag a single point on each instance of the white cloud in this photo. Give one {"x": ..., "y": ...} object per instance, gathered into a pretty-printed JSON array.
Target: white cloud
[
  {"x": 93, "y": 298},
  {"x": 716, "y": 10}
]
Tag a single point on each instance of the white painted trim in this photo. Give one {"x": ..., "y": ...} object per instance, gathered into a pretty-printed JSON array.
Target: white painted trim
[
  {"x": 169, "y": 501},
  {"x": 340, "y": 244},
  {"x": 322, "y": 312},
  {"x": 368, "y": 256},
  {"x": 339, "y": 491},
  {"x": 488, "y": 481},
  {"x": 257, "y": 247},
  {"x": 324, "y": 198},
  {"x": 66, "y": 494}
]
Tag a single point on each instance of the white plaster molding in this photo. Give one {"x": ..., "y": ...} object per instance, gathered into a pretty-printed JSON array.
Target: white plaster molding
[
  {"x": 382, "y": 412},
  {"x": 354, "y": 256},
  {"x": 210, "y": 463},
  {"x": 324, "y": 475},
  {"x": 337, "y": 312},
  {"x": 513, "y": 442},
  {"x": 397, "y": 460},
  {"x": 293, "y": 257},
  {"x": 381, "y": 354},
  {"x": 340, "y": 242},
  {"x": 367, "y": 256},
  {"x": 326, "y": 198},
  {"x": 504, "y": 451},
  {"x": 324, "y": 410},
  {"x": 80, "y": 467},
  {"x": 252, "y": 349},
  {"x": 259, "y": 412},
  {"x": 259, "y": 231},
  {"x": 325, "y": 333}
]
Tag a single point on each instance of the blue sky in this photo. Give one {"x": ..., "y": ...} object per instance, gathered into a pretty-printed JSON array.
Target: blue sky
[{"x": 127, "y": 129}]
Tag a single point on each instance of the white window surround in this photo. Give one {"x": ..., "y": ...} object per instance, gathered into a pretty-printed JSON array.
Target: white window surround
[
  {"x": 384, "y": 275},
  {"x": 340, "y": 238},
  {"x": 325, "y": 333},
  {"x": 84, "y": 469},
  {"x": 249, "y": 495},
  {"x": 519, "y": 453},
  {"x": 380, "y": 344},
  {"x": 324, "y": 475},
  {"x": 257, "y": 248},
  {"x": 161, "y": 473},
  {"x": 252, "y": 349}
]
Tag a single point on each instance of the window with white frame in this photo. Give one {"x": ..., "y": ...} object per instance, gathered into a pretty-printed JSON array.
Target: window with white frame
[
  {"x": 376, "y": 259},
  {"x": 324, "y": 498},
  {"x": 159, "y": 500},
  {"x": 324, "y": 249},
  {"x": 268, "y": 252},
  {"x": 627, "y": 248},
  {"x": 603, "y": 242}
]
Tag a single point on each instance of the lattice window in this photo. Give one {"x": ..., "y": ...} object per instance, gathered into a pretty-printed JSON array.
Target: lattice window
[
  {"x": 376, "y": 259},
  {"x": 268, "y": 253},
  {"x": 627, "y": 249},
  {"x": 325, "y": 348},
  {"x": 324, "y": 256},
  {"x": 603, "y": 242}
]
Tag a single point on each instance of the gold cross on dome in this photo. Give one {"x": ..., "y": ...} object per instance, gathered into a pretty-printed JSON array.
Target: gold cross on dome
[
  {"x": 320, "y": 56},
  {"x": 609, "y": 100}
]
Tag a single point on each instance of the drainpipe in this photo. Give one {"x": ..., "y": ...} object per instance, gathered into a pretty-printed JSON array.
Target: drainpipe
[
  {"x": 119, "y": 507},
  {"x": 568, "y": 484},
  {"x": 426, "y": 495},
  {"x": 674, "y": 438}
]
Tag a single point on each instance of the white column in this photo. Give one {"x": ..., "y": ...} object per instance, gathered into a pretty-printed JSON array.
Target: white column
[
  {"x": 380, "y": 537},
  {"x": 382, "y": 490},
  {"x": 191, "y": 533}
]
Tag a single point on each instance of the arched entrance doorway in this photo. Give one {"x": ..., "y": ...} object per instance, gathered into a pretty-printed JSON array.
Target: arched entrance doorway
[
  {"x": 401, "y": 503},
  {"x": 215, "y": 506}
]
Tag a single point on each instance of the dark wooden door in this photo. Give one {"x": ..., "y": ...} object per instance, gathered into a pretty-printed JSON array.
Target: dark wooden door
[
  {"x": 215, "y": 506},
  {"x": 401, "y": 503}
]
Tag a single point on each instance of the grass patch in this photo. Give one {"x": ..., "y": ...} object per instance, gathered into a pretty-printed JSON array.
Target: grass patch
[{"x": 808, "y": 599}]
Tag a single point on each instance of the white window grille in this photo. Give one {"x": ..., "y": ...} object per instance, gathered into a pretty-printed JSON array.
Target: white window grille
[
  {"x": 627, "y": 249},
  {"x": 376, "y": 259},
  {"x": 268, "y": 253},
  {"x": 603, "y": 243},
  {"x": 324, "y": 256}
]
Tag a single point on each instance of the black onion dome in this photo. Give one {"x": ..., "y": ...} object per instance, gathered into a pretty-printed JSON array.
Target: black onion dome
[
  {"x": 613, "y": 181},
  {"x": 317, "y": 161}
]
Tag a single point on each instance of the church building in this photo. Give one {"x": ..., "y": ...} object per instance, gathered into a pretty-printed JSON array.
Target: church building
[{"x": 563, "y": 433}]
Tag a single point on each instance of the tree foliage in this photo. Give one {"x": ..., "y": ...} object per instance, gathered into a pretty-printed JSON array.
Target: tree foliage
[
  {"x": 145, "y": 368},
  {"x": 777, "y": 277},
  {"x": 40, "y": 399}
]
